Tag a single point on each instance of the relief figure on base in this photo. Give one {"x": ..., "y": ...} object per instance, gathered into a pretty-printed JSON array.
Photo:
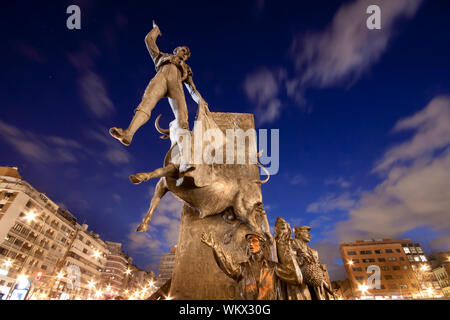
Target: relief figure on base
[{"x": 258, "y": 277}]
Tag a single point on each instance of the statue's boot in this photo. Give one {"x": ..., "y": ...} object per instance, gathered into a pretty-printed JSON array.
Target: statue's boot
[{"x": 126, "y": 136}]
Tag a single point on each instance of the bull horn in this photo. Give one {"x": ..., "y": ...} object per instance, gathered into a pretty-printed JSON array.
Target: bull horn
[
  {"x": 266, "y": 171},
  {"x": 259, "y": 154},
  {"x": 161, "y": 130}
]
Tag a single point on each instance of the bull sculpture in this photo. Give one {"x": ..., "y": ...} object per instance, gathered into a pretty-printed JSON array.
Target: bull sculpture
[{"x": 238, "y": 199}]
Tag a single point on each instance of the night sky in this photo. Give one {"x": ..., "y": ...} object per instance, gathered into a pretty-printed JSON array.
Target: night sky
[{"x": 364, "y": 115}]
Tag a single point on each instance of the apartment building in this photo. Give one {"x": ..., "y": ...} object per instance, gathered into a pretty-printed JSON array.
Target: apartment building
[
  {"x": 400, "y": 265},
  {"x": 117, "y": 269},
  {"x": 43, "y": 243},
  {"x": 166, "y": 266}
]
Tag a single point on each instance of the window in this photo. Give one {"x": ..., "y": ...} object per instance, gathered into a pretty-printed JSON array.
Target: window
[
  {"x": 378, "y": 251},
  {"x": 368, "y": 260},
  {"x": 359, "y": 269},
  {"x": 80, "y": 237},
  {"x": 405, "y": 267},
  {"x": 396, "y": 268},
  {"x": 413, "y": 250},
  {"x": 351, "y": 253},
  {"x": 402, "y": 259},
  {"x": 389, "y": 251},
  {"x": 393, "y": 286},
  {"x": 392, "y": 259},
  {"x": 410, "y": 258},
  {"x": 406, "y": 249},
  {"x": 365, "y": 252},
  {"x": 85, "y": 251},
  {"x": 385, "y": 268},
  {"x": 381, "y": 260},
  {"x": 388, "y": 277},
  {"x": 423, "y": 258},
  {"x": 403, "y": 286},
  {"x": 44, "y": 267},
  {"x": 397, "y": 250},
  {"x": 416, "y": 258},
  {"x": 354, "y": 260},
  {"x": 359, "y": 278},
  {"x": 419, "y": 250}
]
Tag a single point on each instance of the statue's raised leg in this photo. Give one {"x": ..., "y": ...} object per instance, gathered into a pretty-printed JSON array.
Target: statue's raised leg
[
  {"x": 160, "y": 191},
  {"x": 155, "y": 91}
]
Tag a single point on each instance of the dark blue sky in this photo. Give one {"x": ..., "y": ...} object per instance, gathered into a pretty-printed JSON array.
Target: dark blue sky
[{"x": 334, "y": 89}]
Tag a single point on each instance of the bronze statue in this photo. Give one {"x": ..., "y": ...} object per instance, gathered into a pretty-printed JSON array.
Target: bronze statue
[
  {"x": 172, "y": 72},
  {"x": 287, "y": 257},
  {"x": 312, "y": 269},
  {"x": 258, "y": 277}
]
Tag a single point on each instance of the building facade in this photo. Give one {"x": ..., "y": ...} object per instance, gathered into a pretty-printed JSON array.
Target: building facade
[
  {"x": 43, "y": 243},
  {"x": 388, "y": 269},
  {"x": 166, "y": 266},
  {"x": 117, "y": 263}
]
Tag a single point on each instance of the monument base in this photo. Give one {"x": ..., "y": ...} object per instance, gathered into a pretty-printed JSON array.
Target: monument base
[{"x": 196, "y": 275}]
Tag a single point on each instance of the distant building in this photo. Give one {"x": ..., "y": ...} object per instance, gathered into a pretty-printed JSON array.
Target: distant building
[
  {"x": 166, "y": 266},
  {"x": 60, "y": 258},
  {"x": 440, "y": 261},
  {"x": 405, "y": 272},
  {"x": 442, "y": 273},
  {"x": 116, "y": 275},
  {"x": 139, "y": 280}
]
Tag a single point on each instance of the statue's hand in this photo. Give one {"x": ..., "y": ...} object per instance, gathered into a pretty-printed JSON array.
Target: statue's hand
[
  {"x": 207, "y": 239},
  {"x": 155, "y": 26}
]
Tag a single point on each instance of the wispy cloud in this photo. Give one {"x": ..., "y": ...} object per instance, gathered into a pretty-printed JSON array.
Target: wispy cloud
[
  {"x": 91, "y": 86},
  {"x": 44, "y": 149},
  {"x": 337, "y": 55},
  {"x": 415, "y": 191},
  {"x": 346, "y": 48},
  {"x": 339, "y": 182},
  {"x": 331, "y": 202},
  {"x": 262, "y": 88}
]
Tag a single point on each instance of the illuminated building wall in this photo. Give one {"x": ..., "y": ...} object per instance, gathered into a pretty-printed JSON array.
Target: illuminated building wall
[
  {"x": 404, "y": 269},
  {"x": 45, "y": 243}
]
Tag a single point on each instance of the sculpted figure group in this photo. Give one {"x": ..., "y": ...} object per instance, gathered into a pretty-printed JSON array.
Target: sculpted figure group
[
  {"x": 298, "y": 274},
  {"x": 210, "y": 189}
]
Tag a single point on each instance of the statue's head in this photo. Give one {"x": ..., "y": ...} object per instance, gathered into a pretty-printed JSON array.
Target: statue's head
[
  {"x": 282, "y": 229},
  {"x": 302, "y": 233},
  {"x": 182, "y": 52},
  {"x": 255, "y": 243}
]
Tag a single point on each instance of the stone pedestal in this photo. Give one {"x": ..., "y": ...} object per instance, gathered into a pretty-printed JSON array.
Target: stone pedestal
[{"x": 196, "y": 274}]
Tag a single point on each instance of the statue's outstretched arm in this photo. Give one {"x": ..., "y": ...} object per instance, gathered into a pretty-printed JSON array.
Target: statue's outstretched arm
[
  {"x": 150, "y": 41},
  {"x": 190, "y": 86},
  {"x": 223, "y": 259}
]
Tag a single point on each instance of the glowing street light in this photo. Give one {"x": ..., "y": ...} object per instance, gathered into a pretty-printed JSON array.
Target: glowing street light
[
  {"x": 96, "y": 254},
  {"x": 363, "y": 288},
  {"x": 7, "y": 263},
  {"x": 91, "y": 284},
  {"x": 169, "y": 297},
  {"x": 350, "y": 262},
  {"x": 60, "y": 275},
  {"x": 108, "y": 288},
  {"x": 151, "y": 283},
  {"x": 128, "y": 272},
  {"x": 30, "y": 216},
  {"x": 424, "y": 267},
  {"x": 98, "y": 293}
]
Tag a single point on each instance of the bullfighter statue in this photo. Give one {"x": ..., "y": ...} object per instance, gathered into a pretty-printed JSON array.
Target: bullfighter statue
[{"x": 171, "y": 73}]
